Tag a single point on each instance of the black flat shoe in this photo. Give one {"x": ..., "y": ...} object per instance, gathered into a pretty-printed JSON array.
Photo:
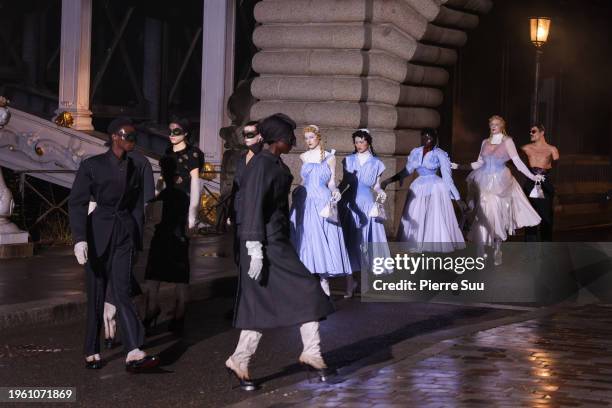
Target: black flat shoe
[
  {"x": 246, "y": 385},
  {"x": 94, "y": 364},
  {"x": 109, "y": 343},
  {"x": 142, "y": 365}
]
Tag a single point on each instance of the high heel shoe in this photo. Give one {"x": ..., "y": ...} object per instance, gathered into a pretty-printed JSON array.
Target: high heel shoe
[
  {"x": 151, "y": 319},
  {"x": 323, "y": 374},
  {"x": 144, "y": 364},
  {"x": 244, "y": 383},
  {"x": 318, "y": 367}
]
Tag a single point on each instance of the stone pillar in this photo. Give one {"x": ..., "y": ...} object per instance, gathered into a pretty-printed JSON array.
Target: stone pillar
[
  {"x": 217, "y": 14},
  {"x": 75, "y": 62},
  {"x": 349, "y": 64}
]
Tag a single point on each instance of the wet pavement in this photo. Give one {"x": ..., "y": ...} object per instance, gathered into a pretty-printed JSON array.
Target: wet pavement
[
  {"x": 561, "y": 360},
  {"x": 54, "y": 273},
  {"x": 192, "y": 371}
]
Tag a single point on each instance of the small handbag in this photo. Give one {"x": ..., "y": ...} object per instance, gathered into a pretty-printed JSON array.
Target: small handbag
[
  {"x": 537, "y": 191},
  {"x": 378, "y": 212},
  {"x": 330, "y": 212}
]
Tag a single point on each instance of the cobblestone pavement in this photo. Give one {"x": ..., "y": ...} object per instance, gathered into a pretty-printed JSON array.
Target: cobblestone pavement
[{"x": 561, "y": 360}]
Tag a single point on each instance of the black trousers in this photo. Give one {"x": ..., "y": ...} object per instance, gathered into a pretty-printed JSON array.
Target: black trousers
[
  {"x": 114, "y": 269},
  {"x": 544, "y": 208}
]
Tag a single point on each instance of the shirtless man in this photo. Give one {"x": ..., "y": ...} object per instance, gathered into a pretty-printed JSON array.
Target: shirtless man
[{"x": 541, "y": 157}]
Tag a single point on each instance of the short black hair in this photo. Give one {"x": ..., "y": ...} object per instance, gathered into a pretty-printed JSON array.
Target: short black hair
[
  {"x": 540, "y": 127},
  {"x": 117, "y": 124},
  {"x": 184, "y": 123},
  {"x": 431, "y": 132}
]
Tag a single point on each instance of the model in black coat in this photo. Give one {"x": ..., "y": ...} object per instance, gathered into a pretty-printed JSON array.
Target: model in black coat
[
  {"x": 106, "y": 239},
  {"x": 275, "y": 289}
]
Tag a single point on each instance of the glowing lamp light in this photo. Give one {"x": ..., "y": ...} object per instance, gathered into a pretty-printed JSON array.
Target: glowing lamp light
[{"x": 540, "y": 27}]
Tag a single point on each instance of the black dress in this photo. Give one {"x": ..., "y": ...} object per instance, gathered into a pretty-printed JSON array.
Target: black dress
[
  {"x": 169, "y": 253},
  {"x": 286, "y": 293}
]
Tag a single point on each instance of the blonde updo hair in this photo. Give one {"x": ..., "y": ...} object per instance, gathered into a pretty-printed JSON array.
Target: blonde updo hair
[
  {"x": 315, "y": 129},
  {"x": 503, "y": 125}
]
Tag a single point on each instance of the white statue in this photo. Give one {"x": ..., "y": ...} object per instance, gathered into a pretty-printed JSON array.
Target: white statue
[{"x": 9, "y": 233}]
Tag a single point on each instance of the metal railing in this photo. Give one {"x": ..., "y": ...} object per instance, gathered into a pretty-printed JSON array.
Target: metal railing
[{"x": 24, "y": 183}]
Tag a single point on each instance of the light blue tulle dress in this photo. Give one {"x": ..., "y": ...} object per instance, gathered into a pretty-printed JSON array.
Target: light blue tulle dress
[
  {"x": 318, "y": 242},
  {"x": 362, "y": 232}
]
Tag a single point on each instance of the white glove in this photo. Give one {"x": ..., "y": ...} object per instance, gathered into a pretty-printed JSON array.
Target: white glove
[
  {"x": 539, "y": 178},
  {"x": 80, "y": 251},
  {"x": 92, "y": 206},
  {"x": 255, "y": 251},
  {"x": 335, "y": 196},
  {"x": 110, "y": 325},
  {"x": 454, "y": 166},
  {"x": 191, "y": 220},
  {"x": 381, "y": 196}
]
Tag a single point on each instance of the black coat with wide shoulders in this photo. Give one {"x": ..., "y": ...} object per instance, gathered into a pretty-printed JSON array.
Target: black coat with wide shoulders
[
  {"x": 94, "y": 181},
  {"x": 286, "y": 293}
]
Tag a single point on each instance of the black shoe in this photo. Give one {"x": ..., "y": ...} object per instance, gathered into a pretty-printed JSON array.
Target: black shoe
[
  {"x": 142, "y": 365},
  {"x": 245, "y": 384},
  {"x": 94, "y": 364},
  {"x": 109, "y": 343},
  {"x": 324, "y": 374}
]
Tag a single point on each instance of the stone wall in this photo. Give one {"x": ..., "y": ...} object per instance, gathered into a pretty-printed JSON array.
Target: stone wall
[{"x": 347, "y": 64}]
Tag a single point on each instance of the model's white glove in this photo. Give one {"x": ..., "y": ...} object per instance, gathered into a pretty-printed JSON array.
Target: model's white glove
[
  {"x": 110, "y": 325},
  {"x": 454, "y": 166},
  {"x": 381, "y": 196},
  {"x": 255, "y": 251},
  {"x": 191, "y": 220},
  {"x": 539, "y": 178},
  {"x": 80, "y": 251},
  {"x": 335, "y": 196}
]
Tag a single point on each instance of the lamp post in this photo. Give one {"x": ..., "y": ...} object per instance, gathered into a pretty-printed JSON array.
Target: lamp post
[{"x": 540, "y": 26}]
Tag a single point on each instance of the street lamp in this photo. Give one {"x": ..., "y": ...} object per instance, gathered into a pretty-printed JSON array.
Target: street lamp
[{"x": 540, "y": 26}]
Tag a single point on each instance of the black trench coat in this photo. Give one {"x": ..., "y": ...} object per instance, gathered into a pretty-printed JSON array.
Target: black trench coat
[{"x": 286, "y": 293}]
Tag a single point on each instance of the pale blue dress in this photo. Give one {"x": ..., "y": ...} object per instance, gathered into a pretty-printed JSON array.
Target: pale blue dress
[
  {"x": 365, "y": 236},
  {"x": 318, "y": 242},
  {"x": 428, "y": 221}
]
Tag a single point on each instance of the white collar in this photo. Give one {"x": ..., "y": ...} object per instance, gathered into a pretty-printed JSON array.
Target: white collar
[
  {"x": 496, "y": 138},
  {"x": 363, "y": 157}
]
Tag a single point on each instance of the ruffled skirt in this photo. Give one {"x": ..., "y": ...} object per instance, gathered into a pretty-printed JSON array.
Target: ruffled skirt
[
  {"x": 428, "y": 222},
  {"x": 500, "y": 205}
]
